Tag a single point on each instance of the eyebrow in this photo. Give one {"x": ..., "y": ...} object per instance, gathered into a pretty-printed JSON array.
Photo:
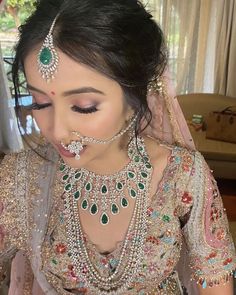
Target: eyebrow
[{"x": 70, "y": 92}]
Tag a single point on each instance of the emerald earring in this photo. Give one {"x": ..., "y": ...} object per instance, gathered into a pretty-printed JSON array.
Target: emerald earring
[{"x": 48, "y": 57}]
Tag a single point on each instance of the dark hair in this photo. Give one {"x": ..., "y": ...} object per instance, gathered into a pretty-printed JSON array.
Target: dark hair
[{"x": 118, "y": 38}]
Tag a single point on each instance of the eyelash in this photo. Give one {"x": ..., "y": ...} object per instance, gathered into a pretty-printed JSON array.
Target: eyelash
[{"x": 36, "y": 106}]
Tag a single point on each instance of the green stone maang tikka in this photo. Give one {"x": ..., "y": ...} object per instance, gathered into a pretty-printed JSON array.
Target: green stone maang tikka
[{"x": 48, "y": 57}]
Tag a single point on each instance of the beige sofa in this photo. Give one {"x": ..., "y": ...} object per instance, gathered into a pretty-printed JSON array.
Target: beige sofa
[{"x": 221, "y": 156}]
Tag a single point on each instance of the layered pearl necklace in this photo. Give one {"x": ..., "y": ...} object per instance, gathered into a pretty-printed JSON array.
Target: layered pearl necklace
[{"x": 106, "y": 195}]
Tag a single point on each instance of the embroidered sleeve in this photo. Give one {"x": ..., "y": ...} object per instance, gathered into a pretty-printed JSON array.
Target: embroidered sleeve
[
  {"x": 209, "y": 243},
  {"x": 10, "y": 240}
]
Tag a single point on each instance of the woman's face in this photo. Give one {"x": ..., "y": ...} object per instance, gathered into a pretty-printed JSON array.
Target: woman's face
[{"x": 78, "y": 99}]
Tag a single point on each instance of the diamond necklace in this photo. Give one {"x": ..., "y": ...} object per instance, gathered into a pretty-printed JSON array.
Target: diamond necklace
[
  {"x": 132, "y": 249},
  {"x": 107, "y": 193}
]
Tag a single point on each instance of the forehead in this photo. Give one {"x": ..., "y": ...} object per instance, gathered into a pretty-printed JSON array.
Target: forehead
[{"x": 70, "y": 74}]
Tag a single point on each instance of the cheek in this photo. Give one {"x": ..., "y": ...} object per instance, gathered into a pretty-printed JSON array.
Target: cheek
[{"x": 101, "y": 125}]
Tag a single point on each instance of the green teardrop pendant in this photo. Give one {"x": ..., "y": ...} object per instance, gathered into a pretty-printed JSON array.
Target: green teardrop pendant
[
  {"x": 65, "y": 177},
  {"x": 94, "y": 209},
  {"x": 144, "y": 175},
  {"x": 68, "y": 187},
  {"x": 62, "y": 167},
  {"x": 119, "y": 186},
  {"x": 114, "y": 209},
  {"x": 45, "y": 56},
  {"x": 124, "y": 203},
  {"x": 148, "y": 165},
  {"x": 77, "y": 195},
  {"x": 131, "y": 175},
  {"x": 88, "y": 187},
  {"x": 78, "y": 175},
  {"x": 132, "y": 193},
  {"x": 104, "y": 189},
  {"x": 84, "y": 204},
  {"x": 104, "y": 219},
  {"x": 141, "y": 185}
]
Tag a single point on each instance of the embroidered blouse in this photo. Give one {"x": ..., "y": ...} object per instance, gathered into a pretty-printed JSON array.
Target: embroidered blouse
[{"x": 185, "y": 212}]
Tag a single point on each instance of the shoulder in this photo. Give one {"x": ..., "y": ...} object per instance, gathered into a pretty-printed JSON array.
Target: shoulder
[
  {"x": 17, "y": 167},
  {"x": 161, "y": 153}
]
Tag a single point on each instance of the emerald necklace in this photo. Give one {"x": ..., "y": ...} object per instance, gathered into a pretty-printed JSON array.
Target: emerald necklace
[{"x": 107, "y": 195}]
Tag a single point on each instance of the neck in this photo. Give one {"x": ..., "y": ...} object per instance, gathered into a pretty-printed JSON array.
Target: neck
[{"x": 113, "y": 159}]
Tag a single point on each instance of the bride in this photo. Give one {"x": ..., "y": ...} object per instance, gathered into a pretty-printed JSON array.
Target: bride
[{"x": 107, "y": 202}]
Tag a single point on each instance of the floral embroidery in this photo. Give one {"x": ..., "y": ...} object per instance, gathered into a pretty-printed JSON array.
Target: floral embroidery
[
  {"x": 187, "y": 198},
  {"x": 60, "y": 248},
  {"x": 153, "y": 267},
  {"x": 215, "y": 214},
  {"x": 153, "y": 240},
  {"x": 177, "y": 193},
  {"x": 148, "y": 250}
]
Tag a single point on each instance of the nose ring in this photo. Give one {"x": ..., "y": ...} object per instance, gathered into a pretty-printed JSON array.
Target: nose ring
[{"x": 75, "y": 147}]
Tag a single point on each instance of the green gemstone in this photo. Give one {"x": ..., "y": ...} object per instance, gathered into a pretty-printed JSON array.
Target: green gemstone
[
  {"x": 77, "y": 195},
  {"x": 133, "y": 193},
  {"x": 124, "y": 202},
  {"x": 144, "y": 175},
  {"x": 45, "y": 56},
  {"x": 148, "y": 166},
  {"x": 131, "y": 175},
  {"x": 119, "y": 186},
  {"x": 62, "y": 167},
  {"x": 141, "y": 185},
  {"x": 104, "y": 189},
  {"x": 65, "y": 177},
  {"x": 88, "y": 186},
  {"x": 68, "y": 187},
  {"x": 94, "y": 209},
  {"x": 146, "y": 159},
  {"x": 54, "y": 261},
  {"x": 114, "y": 208},
  {"x": 136, "y": 159},
  {"x": 84, "y": 204},
  {"x": 78, "y": 175},
  {"x": 166, "y": 218},
  {"x": 140, "y": 148},
  {"x": 104, "y": 219}
]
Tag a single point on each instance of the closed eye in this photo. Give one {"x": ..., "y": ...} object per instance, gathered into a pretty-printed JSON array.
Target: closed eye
[
  {"x": 37, "y": 106},
  {"x": 84, "y": 110}
]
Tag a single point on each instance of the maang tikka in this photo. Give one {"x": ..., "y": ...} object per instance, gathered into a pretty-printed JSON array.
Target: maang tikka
[
  {"x": 76, "y": 146},
  {"x": 47, "y": 56}
]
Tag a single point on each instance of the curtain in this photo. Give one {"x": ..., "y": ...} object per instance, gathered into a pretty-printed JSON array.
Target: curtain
[
  {"x": 226, "y": 54},
  {"x": 10, "y": 139},
  {"x": 201, "y": 37}
]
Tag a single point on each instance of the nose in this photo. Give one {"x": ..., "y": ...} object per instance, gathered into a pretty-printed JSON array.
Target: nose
[{"x": 59, "y": 128}]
